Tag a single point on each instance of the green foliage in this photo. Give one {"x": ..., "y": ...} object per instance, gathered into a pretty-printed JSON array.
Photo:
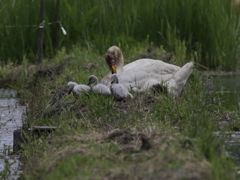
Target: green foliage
[
  {"x": 180, "y": 130},
  {"x": 207, "y": 28},
  {"x": 5, "y": 173}
]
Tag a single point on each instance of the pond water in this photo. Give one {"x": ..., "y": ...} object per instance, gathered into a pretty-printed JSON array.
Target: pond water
[
  {"x": 232, "y": 144},
  {"x": 227, "y": 87},
  {"x": 10, "y": 119}
]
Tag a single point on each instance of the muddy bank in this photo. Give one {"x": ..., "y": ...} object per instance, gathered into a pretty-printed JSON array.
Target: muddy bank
[{"x": 11, "y": 114}]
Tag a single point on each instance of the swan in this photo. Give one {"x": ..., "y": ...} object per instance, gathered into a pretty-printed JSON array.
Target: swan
[
  {"x": 77, "y": 89},
  {"x": 119, "y": 91},
  {"x": 97, "y": 87},
  {"x": 142, "y": 74}
]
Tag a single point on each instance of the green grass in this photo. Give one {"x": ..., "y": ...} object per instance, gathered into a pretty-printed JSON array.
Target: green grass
[
  {"x": 206, "y": 28},
  {"x": 85, "y": 146}
]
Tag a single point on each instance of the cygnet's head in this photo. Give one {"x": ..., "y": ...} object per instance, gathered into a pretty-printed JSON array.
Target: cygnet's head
[
  {"x": 70, "y": 86},
  {"x": 114, "y": 79},
  {"x": 92, "y": 80}
]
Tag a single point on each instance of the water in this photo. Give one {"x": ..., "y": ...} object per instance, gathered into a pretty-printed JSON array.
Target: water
[
  {"x": 232, "y": 144},
  {"x": 10, "y": 119},
  {"x": 227, "y": 87}
]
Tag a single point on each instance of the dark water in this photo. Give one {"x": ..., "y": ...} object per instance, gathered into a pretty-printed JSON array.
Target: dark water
[
  {"x": 10, "y": 119},
  {"x": 232, "y": 144},
  {"x": 227, "y": 87}
]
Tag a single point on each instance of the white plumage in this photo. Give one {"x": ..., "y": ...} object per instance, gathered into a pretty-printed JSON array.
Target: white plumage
[{"x": 142, "y": 74}]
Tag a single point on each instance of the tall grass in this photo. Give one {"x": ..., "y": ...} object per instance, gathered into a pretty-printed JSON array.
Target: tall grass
[{"x": 207, "y": 27}]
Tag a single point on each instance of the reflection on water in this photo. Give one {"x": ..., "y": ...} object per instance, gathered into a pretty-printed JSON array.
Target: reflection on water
[
  {"x": 10, "y": 120},
  {"x": 227, "y": 87}
]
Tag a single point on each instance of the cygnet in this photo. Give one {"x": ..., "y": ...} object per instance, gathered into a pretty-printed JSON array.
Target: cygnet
[
  {"x": 97, "y": 87},
  {"x": 119, "y": 91}
]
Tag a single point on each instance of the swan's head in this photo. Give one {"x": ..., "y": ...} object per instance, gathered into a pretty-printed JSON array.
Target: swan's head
[
  {"x": 114, "y": 58},
  {"x": 92, "y": 80},
  {"x": 70, "y": 86},
  {"x": 114, "y": 79}
]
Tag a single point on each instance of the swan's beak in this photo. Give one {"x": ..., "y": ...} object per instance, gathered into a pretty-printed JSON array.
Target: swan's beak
[{"x": 113, "y": 69}]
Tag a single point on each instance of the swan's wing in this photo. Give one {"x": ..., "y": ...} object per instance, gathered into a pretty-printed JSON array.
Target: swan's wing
[
  {"x": 175, "y": 85},
  {"x": 182, "y": 75},
  {"x": 106, "y": 80},
  {"x": 144, "y": 73},
  {"x": 150, "y": 65}
]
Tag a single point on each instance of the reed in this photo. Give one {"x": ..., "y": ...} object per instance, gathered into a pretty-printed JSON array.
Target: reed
[{"x": 207, "y": 27}]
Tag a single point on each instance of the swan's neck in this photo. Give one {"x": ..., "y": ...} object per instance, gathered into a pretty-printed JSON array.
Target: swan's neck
[{"x": 120, "y": 64}]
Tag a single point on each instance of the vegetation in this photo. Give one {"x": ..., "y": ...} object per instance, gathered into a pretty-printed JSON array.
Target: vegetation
[
  {"x": 153, "y": 136},
  {"x": 206, "y": 28}
]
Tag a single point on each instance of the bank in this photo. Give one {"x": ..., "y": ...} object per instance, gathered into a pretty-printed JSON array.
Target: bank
[{"x": 152, "y": 136}]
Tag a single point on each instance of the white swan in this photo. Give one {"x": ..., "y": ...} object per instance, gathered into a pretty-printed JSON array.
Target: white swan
[
  {"x": 142, "y": 74},
  {"x": 119, "y": 91},
  {"x": 97, "y": 87},
  {"x": 77, "y": 89}
]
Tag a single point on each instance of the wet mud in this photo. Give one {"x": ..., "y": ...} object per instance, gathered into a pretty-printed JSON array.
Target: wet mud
[{"x": 11, "y": 116}]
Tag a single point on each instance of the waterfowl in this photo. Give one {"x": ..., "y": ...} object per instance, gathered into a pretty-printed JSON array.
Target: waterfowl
[
  {"x": 142, "y": 74},
  {"x": 77, "y": 89},
  {"x": 98, "y": 87},
  {"x": 119, "y": 91},
  {"x": 70, "y": 86}
]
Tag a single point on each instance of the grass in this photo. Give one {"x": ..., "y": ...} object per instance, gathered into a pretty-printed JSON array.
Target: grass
[
  {"x": 150, "y": 137},
  {"x": 208, "y": 28}
]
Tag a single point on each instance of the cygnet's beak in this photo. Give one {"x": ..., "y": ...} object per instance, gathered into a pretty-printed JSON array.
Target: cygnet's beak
[
  {"x": 113, "y": 69},
  {"x": 69, "y": 91}
]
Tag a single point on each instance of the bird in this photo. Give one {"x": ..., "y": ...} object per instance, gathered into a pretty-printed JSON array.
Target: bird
[
  {"x": 98, "y": 87},
  {"x": 70, "y": 86},
  {"x": 142, "y": 74},
  {"x": 77, "y": 89},
  {"x": 119, "y": 92}
]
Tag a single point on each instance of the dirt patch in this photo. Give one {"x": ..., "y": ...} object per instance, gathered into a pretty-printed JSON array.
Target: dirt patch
[
  {"x": 158, "y": 88},
  {"x": 154, "y": 166},
  {"x": 122, "y": 136},
  {"x": 48, "y": 72}
]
